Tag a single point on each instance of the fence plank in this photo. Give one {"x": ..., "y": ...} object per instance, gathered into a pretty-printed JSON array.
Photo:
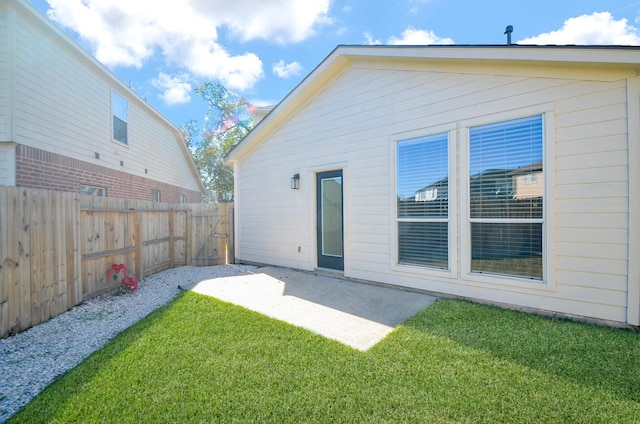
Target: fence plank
[
  {"x": 60, "y": 303},
  {"x": 23, "y": 240},
  {"x": 229, "y": 214},
  {"x": 138, "y": 238},
  {"x": 48, "y": 259},
  {"x": 171, "y": 246},
  {"x": 189, "y": 242},
  {"x": 74, "y": 268}
]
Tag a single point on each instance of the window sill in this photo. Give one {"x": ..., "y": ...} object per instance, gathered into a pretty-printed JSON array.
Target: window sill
[
  {"x": 423, "y": 271},
  {"x": 506, "y": 280}
]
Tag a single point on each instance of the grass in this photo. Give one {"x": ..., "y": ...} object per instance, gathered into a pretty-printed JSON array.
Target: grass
[{"x": 202, "y": 360}]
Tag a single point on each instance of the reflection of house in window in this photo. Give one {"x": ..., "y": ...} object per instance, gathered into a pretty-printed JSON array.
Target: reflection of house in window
[
  {"x": 492, "y": 184},
  {"x": 527, "y": 181},
  {"x": 427, "y": 195},
  {"x": 438, "y": 190}
]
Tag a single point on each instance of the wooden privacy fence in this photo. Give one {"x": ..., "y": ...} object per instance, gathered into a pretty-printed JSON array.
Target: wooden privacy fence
[{"x": 56, "y": 247}]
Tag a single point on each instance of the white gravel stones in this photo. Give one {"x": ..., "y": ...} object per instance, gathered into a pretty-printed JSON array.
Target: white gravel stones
[{"x": 31, "y": 360}]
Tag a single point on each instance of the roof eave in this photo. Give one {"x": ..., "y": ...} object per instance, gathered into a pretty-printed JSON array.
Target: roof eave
[{"x": 343, "y": 54}]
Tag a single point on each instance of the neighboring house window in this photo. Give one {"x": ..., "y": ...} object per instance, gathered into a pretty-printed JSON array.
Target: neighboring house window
[
  {"x": 93, "y": 191},
  {"x": 506, "y": 229},
  {"x": 423, "y": 201},
  {"x": 183, "y": 198},
  {"x": 155, "y": 195},
  {"x": 120, "y": 108}
]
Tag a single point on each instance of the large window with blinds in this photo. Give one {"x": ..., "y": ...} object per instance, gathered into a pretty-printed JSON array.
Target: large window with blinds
[
  {"x": 423, "y": 201},
  {"x": 506, "y": 193}
]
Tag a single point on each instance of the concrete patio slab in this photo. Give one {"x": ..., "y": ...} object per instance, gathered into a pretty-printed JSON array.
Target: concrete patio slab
[{"x": 356, "y": 314}]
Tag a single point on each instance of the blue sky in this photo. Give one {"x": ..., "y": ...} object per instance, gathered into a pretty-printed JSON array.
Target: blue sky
[{"x": 261, "y": 49}]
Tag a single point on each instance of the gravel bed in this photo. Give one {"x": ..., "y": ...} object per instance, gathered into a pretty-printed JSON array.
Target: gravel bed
[{"x": 33, "y": 359}]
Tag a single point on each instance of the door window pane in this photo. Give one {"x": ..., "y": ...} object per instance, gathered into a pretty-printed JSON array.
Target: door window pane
[{"x": 332, "y": 216}]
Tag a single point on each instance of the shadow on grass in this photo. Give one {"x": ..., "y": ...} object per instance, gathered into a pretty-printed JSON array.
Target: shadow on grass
[{"x": 603, "y": 358}]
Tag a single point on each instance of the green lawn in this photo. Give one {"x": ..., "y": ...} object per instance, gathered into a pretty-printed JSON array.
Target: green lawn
[{"x": 202, "y": 360}]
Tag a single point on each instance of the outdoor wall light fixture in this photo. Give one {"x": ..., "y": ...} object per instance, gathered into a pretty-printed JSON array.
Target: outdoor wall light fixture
[{"x": 295, "y": 182}]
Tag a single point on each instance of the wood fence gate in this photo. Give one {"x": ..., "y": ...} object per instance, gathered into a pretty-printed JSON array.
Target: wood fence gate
[
  {"x": 56, "y": 248},
  {"x": 211, "y": 230}
]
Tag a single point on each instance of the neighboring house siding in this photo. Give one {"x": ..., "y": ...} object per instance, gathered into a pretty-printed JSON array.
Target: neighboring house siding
[
  {"x": 62, "y": 104},
  {"x": 4, "y": 78},
  {"x": 353, "y": 123},
  {"x": 40, "y": 169}
]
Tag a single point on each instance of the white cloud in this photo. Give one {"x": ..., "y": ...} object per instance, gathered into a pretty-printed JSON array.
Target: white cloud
[
  {"x": 414, "y": 6},
  {"x": 176, "y": 90},
  {"x": 597, "y": 28},
  {"x": 412, "y": 36},
  {"x": 288, "y": 70},
  {"x": 185, "y": 32},
  {"x": 370, "y": 40},
  {"x": 281, "y": 21}
]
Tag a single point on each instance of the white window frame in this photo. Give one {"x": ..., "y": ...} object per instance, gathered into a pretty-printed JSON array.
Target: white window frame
[
  {"x": 548, "y": 225},
  {"x": 153, "y": 192},
  {"x": 116, "y": 100},
  {"x": 416, "y": 269}
]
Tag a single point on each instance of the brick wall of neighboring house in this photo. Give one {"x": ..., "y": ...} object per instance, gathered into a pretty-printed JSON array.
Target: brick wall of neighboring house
[{"x": 41, "y": 169}]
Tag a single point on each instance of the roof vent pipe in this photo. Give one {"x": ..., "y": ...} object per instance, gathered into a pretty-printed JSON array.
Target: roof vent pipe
[{"x": 508, "y": 31}]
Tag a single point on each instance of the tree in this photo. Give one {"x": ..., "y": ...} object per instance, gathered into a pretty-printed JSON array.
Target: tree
[{"x": 226, "y": 122}]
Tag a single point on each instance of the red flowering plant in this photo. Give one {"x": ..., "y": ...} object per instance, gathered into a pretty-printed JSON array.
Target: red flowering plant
[{"x": 128, "y": 283}]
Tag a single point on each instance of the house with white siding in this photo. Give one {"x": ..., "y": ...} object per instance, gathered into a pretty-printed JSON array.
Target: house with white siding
[
  {"x": 536, "y": 147},
  {"x": 68, "y": 123}
]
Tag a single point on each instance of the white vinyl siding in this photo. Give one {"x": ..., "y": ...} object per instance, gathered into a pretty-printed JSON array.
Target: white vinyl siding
[
  {"x": 351, "y": 122},
  {"x": 5, "y": 78}
]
